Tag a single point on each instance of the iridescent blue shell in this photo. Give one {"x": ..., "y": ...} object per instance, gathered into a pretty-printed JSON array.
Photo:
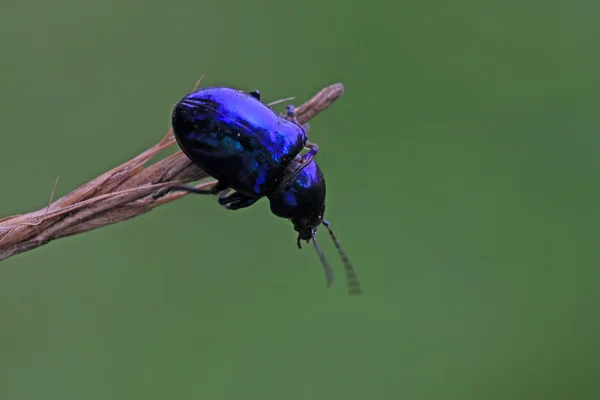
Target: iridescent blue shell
[{"x": 236, "y": 138}]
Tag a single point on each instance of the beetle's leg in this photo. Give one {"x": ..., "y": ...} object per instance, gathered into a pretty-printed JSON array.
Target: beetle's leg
[
  {"x": 255, "y": 94},
  {"x": 236, "y": 201},
  {"x": 313, "y": 149},
  {"x": 189, "y": 189},
  {"x": 291, "y": 113},
  {"x": 224, "y": 193},
  {"x": 182, "y": 188}
]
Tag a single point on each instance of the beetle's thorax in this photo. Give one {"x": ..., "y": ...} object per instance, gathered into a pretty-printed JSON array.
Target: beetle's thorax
[{"x": 301, "y": 198}]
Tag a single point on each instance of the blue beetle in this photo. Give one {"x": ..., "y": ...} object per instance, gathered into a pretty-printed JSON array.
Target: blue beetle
[{"x": 253, "y": 151}]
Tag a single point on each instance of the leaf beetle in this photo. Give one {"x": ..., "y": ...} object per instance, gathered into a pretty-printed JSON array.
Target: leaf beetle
[{"x": 250, "y": 149}]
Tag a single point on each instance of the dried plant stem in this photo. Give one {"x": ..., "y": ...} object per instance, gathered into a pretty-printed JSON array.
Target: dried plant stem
[{"x": 121, "y": 193}]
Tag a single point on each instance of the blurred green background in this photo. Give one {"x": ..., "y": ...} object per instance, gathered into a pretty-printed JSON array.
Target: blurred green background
[{"x": 462, "y": 179}]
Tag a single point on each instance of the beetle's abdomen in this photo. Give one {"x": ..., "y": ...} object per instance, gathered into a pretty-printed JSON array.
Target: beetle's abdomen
[{"x": 236, "y": 138}]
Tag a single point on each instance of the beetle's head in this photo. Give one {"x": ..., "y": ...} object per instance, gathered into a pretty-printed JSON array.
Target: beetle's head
[{"x": 306, "y": 226}]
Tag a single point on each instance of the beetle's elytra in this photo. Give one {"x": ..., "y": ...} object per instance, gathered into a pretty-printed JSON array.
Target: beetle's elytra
[
  {"x": 254, "y": 152},
  {"x": 236, "y": 138}
]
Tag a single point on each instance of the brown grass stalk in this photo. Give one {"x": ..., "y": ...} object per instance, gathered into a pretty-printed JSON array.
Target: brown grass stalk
[{"x": 121, "y": 193}]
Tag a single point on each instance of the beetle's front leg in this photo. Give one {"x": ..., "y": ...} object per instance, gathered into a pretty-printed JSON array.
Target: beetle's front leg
[{"x": 313, "y": 149}]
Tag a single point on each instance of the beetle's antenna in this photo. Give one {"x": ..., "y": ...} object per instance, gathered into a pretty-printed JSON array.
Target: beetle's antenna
[
  {"x": 328, "y": 270},
  {"x": 351, "y": 278}
]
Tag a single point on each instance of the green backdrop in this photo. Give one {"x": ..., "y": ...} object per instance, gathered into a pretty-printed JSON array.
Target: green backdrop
[{"x": 462, "y": 168}]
